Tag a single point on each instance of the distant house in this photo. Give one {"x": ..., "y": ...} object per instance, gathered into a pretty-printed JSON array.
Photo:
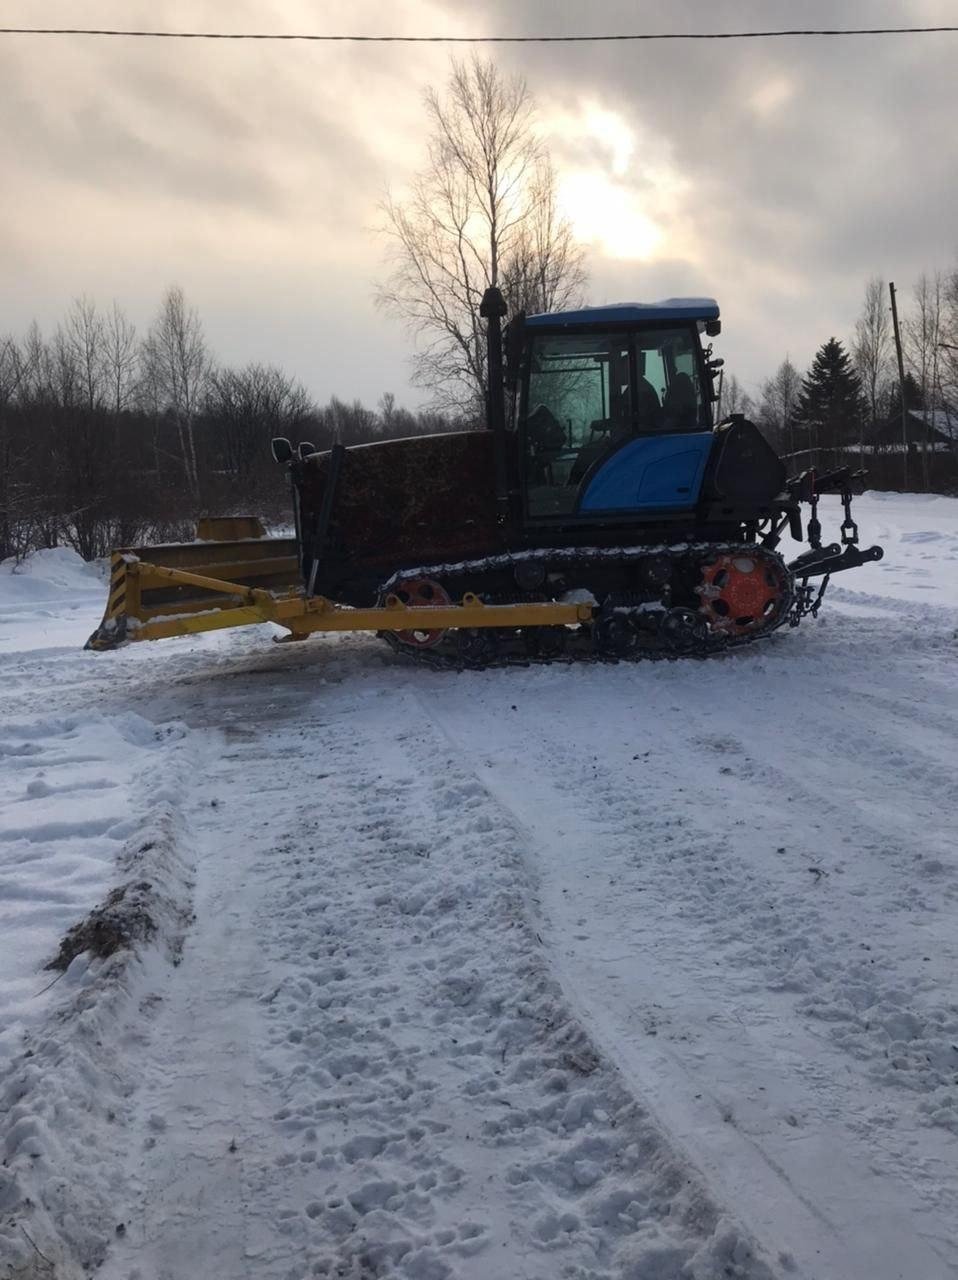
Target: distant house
[{"x": 932, "y": 429}]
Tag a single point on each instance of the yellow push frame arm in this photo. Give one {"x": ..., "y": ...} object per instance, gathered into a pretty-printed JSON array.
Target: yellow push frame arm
[{"x": 128, "y": 619}]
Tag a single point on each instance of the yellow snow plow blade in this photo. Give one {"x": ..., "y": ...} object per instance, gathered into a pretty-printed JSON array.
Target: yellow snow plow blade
[
  {"x": 212, "y": 576},
  {"x": 185, "y": 588}
]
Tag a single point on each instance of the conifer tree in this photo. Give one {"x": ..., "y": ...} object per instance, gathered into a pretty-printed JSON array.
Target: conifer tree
[
  {"x": 830, "y": 403},
  {"x": 913, "y": 397}
]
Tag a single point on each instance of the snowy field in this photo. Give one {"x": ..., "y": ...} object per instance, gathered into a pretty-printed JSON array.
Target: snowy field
[{"x": 642, "y": 971}]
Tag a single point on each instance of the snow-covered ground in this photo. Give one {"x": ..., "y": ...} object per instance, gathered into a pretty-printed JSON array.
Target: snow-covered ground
[{"x": 642, "y": 971}]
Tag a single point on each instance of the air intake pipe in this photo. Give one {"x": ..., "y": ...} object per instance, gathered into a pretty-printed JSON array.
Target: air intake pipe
[{"x": 492, "y": 309}]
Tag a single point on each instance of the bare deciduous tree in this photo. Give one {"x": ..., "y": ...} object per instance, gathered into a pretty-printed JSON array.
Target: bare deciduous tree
[
  {"x": 347, "y": 423},
  {"x": 922, "y": 337},
  {"x": 246, "y": 407},
  {"x": 948, "y": 363},
  {"x": 13, "y": 368},
  {"x": 543, "y": 269},
  {"x": 81, "y": 353},
  {"x": 12, "y": 373},
  {"x": 734, "y": 398},
  {"x": 176, "y": 368},
  {"x": 871, "y": 350},
  {"x": 483, "y": 212},
  {"x": 779, "y": 401},
  {"x": 121, "y": 358},
  {"x": 93, "y": 447}
]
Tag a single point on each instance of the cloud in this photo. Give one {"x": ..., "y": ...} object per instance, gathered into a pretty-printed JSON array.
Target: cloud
[
  {"x": 806, "y": 166},
  {"x": 776, "y": 175},
  {"x": 249, "y": 173}
]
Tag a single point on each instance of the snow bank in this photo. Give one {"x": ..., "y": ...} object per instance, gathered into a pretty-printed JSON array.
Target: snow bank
[
  {"x": 88, "y": 804},
  {"x": 53, "y": 598},
  {"x": 73, "y": 789},
  {"x": 50, "y": 574}
]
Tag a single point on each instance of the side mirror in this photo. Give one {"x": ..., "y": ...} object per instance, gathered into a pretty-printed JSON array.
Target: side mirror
[
  {"x": 281, "y": 449},
  {"x": 304, "y": 449}
]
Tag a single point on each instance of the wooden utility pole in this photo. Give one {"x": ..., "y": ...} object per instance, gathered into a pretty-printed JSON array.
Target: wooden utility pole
[{"x": 901, "y": 386}]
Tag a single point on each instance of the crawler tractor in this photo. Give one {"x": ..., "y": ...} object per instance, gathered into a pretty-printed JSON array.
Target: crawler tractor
[{"x": 601, "y": 513}]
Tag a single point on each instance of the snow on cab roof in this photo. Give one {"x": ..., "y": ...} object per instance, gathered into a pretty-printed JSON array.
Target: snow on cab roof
[{"x": 632, "y": 312}]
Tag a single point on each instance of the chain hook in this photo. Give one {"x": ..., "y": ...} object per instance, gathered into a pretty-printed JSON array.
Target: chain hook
[
  {"x": 849, "y": 527},
  {"x": 814, "y": 529}
]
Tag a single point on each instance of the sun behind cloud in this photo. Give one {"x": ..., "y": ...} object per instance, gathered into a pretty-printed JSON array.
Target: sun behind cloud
[{"x": 618, "y": 184}]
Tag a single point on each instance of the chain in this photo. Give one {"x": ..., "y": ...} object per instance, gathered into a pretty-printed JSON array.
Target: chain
[{"x": 806, "y": 602}]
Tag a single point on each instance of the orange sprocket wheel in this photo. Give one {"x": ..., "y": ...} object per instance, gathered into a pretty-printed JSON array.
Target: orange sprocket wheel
[
  {"x": 740, "y": 593},
  {"x": 422, "y": 593}
]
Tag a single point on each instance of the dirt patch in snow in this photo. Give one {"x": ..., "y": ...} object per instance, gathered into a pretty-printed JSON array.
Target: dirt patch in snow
[{"x": 120, "y": 921}]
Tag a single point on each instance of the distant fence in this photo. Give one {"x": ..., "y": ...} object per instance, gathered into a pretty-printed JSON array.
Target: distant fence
[{"x": 932, "y": 470}]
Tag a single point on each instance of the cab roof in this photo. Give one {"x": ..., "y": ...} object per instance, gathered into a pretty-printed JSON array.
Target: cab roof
[{"x": 670, "y": 309}]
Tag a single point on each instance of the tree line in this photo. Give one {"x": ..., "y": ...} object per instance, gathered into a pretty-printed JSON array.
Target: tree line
[
  {"x": 848, "y": 404},
  {"x": 112, "y": 438}
]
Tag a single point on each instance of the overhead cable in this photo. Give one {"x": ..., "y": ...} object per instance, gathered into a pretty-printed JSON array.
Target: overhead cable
[{"x": 531, "y": 39}]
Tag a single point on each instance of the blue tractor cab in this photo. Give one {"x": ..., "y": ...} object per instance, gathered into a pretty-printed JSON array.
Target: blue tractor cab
[{"x": 615, "y": 409}]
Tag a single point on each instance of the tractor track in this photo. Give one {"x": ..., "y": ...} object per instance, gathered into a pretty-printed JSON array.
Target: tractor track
[
  {"x": 780, "y": 926},
  {"x": 629, "y": 626},
  {"x": 407, "y": 1091}
]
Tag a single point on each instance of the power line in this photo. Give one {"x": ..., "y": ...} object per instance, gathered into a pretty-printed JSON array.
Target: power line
[{"x": 382, "y": 39}]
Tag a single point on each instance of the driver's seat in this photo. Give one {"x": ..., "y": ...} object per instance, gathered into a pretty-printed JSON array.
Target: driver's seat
[{"x": 599, "y": 444}]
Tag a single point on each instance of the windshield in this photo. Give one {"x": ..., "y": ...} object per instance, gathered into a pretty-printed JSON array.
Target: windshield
[{"x": 587, "y": 393}]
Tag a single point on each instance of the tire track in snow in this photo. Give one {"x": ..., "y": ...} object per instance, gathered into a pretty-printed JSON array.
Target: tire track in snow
[
  {"x": 744, "y": 919},
  {"x": 425, "y": 1106}
]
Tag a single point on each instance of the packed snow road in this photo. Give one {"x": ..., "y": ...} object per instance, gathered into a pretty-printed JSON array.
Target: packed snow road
[{"x": 613, "y": 971}]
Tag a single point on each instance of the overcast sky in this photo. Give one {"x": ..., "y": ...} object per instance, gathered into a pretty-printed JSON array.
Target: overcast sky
[{"x": 776, "y": 176}]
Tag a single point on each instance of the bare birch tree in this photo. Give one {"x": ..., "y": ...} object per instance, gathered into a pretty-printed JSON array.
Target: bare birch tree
[
  {"x": 735, "y": 399},
  {"x": 542, "y": 270},
  {"x": 948, "y": 359},
  {"x": 871, "y": 350},
  {"x": 779, "y": 402},
  {"x": 13, "y": 368},
  {"x": 922, "y": 337},
  {"x": 483, "y": 212},
  {"x": 176, "y": 368},
  {"x": 81, "y": 350},
  {"x": 120, "y": 358},
  {"x": 12, "y": 373}
]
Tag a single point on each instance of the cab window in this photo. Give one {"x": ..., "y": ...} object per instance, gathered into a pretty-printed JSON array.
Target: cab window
[
  {"x": 579, "y": 391},
  {"x": 589, "y": 393}
]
